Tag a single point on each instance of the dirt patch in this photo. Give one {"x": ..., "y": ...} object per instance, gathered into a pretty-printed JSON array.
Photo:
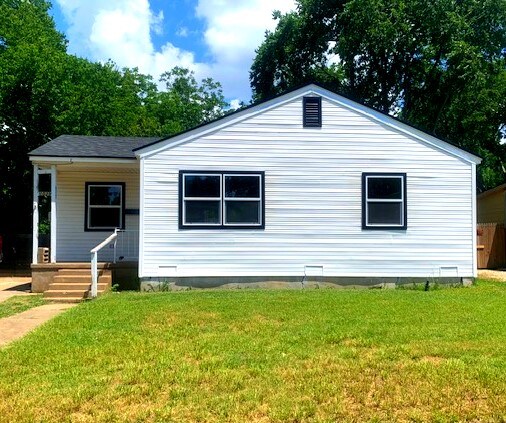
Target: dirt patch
[{"x": 496, "y": 275}]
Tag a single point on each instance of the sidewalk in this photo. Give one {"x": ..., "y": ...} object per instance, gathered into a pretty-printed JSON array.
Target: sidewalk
[
  {"x": 11, "y": 286},
  {"x": 17, "y": 326}
]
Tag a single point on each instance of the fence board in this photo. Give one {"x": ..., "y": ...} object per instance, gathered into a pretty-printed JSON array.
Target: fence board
[{"x": 491, "y": 246}]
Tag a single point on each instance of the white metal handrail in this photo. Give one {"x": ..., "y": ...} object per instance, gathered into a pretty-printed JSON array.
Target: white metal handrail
[{"x": 94, "y": 260}]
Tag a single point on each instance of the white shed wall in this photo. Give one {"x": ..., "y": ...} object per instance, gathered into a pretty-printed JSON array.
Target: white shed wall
[
  {"x": 73, "y": 242},
  {"x": 313, "y": 202}
]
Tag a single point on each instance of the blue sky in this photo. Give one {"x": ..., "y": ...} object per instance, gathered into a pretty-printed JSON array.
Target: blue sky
[{"x": 214, "y": 38}]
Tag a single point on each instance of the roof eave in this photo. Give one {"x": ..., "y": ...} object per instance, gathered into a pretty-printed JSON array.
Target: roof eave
[{"x": 77, "y": 159}]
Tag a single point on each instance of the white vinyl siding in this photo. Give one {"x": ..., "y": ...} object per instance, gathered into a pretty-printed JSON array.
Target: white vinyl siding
[
  {"x": 73, "y": 242},
  {"x": 313, "y": 201}
]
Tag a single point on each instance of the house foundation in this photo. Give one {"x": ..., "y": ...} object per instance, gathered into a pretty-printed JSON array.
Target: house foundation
[{"x": 290, "y": 282}]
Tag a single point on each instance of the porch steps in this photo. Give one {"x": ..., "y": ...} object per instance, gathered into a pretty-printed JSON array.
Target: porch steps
[{"x": 73, "y": 285}]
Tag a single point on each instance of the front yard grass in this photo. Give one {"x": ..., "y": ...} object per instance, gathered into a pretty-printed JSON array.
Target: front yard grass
[
  {"x": 19, "y": 303},
  {"x": 265, "y": 356}
]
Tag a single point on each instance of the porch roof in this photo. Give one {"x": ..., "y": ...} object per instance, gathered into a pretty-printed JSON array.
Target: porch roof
[{"x": 92, "y": 147}]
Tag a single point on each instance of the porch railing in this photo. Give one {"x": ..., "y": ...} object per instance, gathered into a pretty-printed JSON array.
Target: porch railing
[
  {"x": 94, "y": 260},
  {"x": 126, "y": 246}
]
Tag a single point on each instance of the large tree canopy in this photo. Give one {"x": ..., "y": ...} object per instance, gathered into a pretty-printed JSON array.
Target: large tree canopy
[
  {"x": 439, "y": 65},
  {"x": 45, "y": 92}
]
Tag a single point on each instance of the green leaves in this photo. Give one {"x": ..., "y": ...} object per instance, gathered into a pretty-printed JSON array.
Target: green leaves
[
  {"x": 441, "y": 63},
  {"x": 45, "y": 92}
]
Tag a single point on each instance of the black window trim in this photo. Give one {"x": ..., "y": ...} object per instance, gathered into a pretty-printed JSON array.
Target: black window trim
[
  {"x": 221, "y": 225},
  {"x": 403, "y": 177},
  {"x": 305, "y": 123},
  {"x": 86, "y": 205}
]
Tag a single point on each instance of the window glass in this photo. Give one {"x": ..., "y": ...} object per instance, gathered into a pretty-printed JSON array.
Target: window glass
[
  {"x": 204, "y": 212},
  {"x": 202, "y": 186},
  {"x": 384, "y": 188},
  {"x": 105, "y": 195},
  {"x": 221, "y": 199},
  {"x": 384, "y": 202},
  {"x": 105, "y": 217},
  {"x": 242, "y": 186},
  {"x": 104, "y": 207},
  {"x": 247, "y": 212},
  {"x": 384, "y": 213}
]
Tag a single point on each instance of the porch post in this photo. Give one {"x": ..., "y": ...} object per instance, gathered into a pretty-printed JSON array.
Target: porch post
[
  {"x": 53, "y": 215},
  {"x": 35, "y": 246}
]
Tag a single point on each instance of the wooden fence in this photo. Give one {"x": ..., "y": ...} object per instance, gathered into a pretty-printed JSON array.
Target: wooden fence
[{"x": 491, "y": 246}]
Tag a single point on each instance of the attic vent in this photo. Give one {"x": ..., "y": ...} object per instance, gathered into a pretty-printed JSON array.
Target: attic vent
[{"x": 312, "y": 112}]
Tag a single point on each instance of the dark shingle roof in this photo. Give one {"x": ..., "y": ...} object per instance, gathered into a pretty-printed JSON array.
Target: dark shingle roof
[{"x": 93, "y": 147}]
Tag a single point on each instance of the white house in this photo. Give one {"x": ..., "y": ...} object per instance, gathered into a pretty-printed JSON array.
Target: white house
[{"x": 308, "y": 185}]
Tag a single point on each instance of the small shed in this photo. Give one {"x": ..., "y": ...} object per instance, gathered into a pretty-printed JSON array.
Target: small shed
[{"x": 491, "y": 216}]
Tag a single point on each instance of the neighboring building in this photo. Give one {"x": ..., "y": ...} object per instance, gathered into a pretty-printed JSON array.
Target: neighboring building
[
  {"x": 491, "y": 205},
  {"x": 491, "y": 237},
  {"x": 308, "y": 185}
]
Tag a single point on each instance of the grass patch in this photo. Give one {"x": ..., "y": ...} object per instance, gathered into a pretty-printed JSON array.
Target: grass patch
[
  {"x": 19, "y": 303},
  {"x": 265, "y": 356}
]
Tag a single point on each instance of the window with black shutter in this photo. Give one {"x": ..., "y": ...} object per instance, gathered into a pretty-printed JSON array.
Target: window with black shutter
[{"x": 312, "y": 112}]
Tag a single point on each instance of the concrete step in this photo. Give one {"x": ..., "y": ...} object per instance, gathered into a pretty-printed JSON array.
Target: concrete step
[
  {"x": 67, "y": 300},
  {"x": 59, "y": 293},
  {"x": 66, "y": 286},
  {"x": 81, "y": 279},
  {"x": 82, "y": 271},
  {"x": 74, "y": 271}
]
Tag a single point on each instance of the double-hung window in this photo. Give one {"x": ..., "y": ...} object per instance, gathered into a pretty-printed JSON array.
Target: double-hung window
[
  {"x": 384, "y": 201},
  {"x": 221, "y": 199},
  {"x": 105, "y": 206}
]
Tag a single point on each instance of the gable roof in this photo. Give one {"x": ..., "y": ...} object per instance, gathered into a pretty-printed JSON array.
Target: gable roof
[
  {"x": 499, "y": 188},
  {"x": 109, "y": 147},
  {"x": 81, "y": 146},
  {"x": 314, "y": 89}
]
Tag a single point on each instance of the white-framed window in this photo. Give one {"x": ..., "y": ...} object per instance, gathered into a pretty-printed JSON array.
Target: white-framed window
[
  {"x": 105, "y": 206},
  {"x": 221, "y": 199},
  {"x": 384, "y": 203}
]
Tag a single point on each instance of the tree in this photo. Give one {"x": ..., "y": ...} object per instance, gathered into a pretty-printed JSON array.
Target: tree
[
  {"x": 45, "y": 92},
  {"x": 185, "y": 104},
  {"x": 439, "y": 65},
  {"x": 30, "y": 49}
]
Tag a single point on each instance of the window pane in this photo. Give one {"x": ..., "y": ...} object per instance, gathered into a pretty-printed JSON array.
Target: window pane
[
  {"x": 105, "y": 218},
  {"x": 243, "y": 212},
  {"x": 201, "y": 186},
  {"x": 384, "y": 213},
  {"x": 107, "y": 195},
  {"x": 241, "y": 186},
  {"x": 202, "y": 211},
  {"x": 384, "y": 187}
]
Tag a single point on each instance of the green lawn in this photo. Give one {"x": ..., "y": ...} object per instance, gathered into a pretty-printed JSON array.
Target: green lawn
[
  {"x": 19, "y": 303},
  {"x": 265, "y": 356}
]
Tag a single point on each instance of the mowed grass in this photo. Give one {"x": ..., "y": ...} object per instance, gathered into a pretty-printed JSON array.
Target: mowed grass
[
  {"x": 265, "y": 356},
  {"x": 20, "y": 303}
]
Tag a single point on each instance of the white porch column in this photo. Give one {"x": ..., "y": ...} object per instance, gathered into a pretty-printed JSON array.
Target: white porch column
[
  {"x": 35, "y": 246},
  {"x": 53, "y": 214}
]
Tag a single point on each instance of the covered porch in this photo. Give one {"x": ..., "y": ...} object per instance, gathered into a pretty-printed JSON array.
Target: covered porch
[
  {"x": 93, "y": 228},
  {"x": 86, "y": 198}
]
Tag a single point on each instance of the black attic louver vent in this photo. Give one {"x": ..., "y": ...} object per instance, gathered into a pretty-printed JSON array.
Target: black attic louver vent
[{"x": 312, "y": 112}]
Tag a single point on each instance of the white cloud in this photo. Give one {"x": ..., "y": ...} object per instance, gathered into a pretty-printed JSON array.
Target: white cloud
[
  {"x": 121, "y": 30},
  {"x": 182, "y": 32},
  {"x": 235, "y": 104},
  {"x": 234, "y": 30}
]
